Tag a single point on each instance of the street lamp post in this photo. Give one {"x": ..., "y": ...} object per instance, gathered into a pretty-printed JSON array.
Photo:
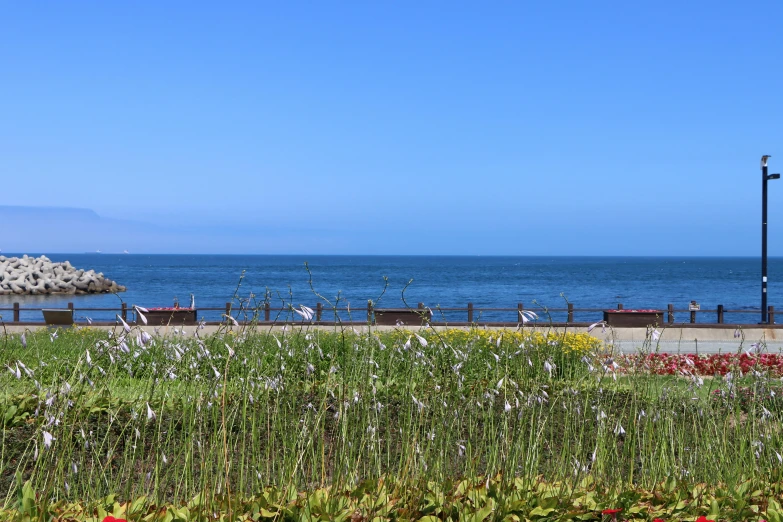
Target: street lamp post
[{"x": 764, "y": 178}]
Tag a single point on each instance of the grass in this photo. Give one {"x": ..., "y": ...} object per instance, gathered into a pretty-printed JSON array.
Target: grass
[{"x": 237, "y": 413}]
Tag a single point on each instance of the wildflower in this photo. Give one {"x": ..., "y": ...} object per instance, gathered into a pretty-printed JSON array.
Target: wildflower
[
  {"x": 548, "y": 366},
  {"x": 753, "y": 348},
  {"x": 150, "y": 413},
  {"x": 507, "y": 407},
  {"x": 139, "y": 314},
  {"x": 704, "y": 519},
  {"x": 526, "y": 315},
  {"x": 47, "y": 437},
  {"x": 23, "y": 339},
  {"x": 306, "y": 312},
  {"x": 599, "y": 323},
  {"x": 422, "y": 340},
  {"x": 656, "y": 335},
  {"x": 15, "y": 372},
  {"x": 110, "y": 518},
  {"x": 612, "y": 512},
  {"x": 619, "y": 430},
  {"x": 124, "y": 324},
  {"x": 418, "y": 403}
]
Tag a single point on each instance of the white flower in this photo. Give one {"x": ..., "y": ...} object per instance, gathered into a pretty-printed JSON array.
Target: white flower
[
  {"x": 527, "y": 315},
  {"x": 599, "y": 323},
  {"x": 140, "y": 315},
  {"x": 656, "y": 335},
  {"x": 619, "y": 430},
  {"x": 150, "y": 413},
  {"x": 507, "y": 407},
  {"x": 15, "y": 371},
  {"x": 422, "y": 340},
  {"x": 48, "y": 439},
  {"x": 124, "y": 324},
  {"x": 23, "y": 339},
  {"x": 306, "y": 313}
]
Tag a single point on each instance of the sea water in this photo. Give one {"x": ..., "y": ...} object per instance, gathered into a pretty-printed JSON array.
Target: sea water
[{"x": 539, "y": 283}]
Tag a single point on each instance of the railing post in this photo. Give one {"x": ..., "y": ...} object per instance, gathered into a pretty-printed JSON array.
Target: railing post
[
  {"x": 520, "y": 309},
  {"x": 619, "y": 306},
  {"x": 720, "y": 314},
  {"x": 693, "y": 316},
  {"x": 421, "y": 309},
  {"x": 570, "y": 313},
  {"x": 319, "y": 310},
  {"x": 267, "y": 311},
  {"x": 670, "y": 309},
  {"x": 16, "y": 312},
  {"x": 228, "y": 312},
  {"x": 771, "y": 314},
  {"x": 369, "y": 312},
  {"x": 124, "y": 310},
  {"x": 470, "y": 312}
]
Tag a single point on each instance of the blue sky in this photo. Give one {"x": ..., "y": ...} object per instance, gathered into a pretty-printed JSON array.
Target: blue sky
[{"x": 562, "y": 128}]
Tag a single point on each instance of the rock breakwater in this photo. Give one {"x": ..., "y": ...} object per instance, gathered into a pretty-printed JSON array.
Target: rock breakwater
[{"x": 39, "y": 275}]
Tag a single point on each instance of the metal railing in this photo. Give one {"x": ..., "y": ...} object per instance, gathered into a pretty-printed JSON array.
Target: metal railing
[{"x": 457, "y": 316}]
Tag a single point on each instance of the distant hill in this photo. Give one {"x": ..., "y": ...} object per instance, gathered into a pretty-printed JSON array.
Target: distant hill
[
  {"x": 48, "y": 213},
  {"x": 56, "y": 229}
]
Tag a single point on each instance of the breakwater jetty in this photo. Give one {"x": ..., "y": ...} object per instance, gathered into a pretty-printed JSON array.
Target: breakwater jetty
[{"x": 39, "y": 276}]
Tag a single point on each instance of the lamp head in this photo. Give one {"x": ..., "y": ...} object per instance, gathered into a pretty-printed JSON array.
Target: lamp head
[{"x": 764, "y": 159}]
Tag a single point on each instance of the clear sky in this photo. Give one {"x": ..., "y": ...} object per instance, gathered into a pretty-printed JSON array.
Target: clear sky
[{"x": 595, "y": 128}]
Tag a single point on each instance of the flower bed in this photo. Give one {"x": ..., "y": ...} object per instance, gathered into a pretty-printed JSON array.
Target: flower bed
[
  {"x": 633, "y": 318},
  {"x": 172, "y": 316},
  {"x": 702, "y": 364}
]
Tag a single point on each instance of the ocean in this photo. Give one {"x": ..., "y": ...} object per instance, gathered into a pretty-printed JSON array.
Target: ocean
[{"x": 446, "y": 281}]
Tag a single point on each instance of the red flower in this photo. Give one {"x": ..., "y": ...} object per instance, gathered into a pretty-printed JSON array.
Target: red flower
[
  {"x": 703, "y": 519},
  {"x": 658, "y": 520},
  {"x": 112, "y": 519}
]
